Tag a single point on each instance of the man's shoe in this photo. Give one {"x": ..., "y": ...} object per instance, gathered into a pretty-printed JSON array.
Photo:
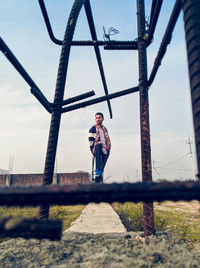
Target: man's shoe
[
  {"x": 98, "y": 172},
  {"x": 98, "y": 179}
]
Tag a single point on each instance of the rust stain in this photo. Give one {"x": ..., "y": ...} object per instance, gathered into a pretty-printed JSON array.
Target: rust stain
[{"x": 71, "y": 21}]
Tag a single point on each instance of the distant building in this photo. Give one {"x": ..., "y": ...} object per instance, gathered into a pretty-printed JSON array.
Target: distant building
[{"x": 4, "y": 171}]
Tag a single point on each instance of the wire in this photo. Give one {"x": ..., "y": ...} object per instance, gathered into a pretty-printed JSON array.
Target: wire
[
  {"x": 174, "y": 161},
  {"x": 175, "y": 168},
  {"x": 111, "y": 31}
]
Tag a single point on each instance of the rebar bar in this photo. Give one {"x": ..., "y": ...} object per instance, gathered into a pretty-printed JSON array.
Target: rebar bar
[
  {"x": 166, "y": 40},
  {"x": 191, "y": 10},
  {"x": 113, "y": 43},
  {"x": 48, "y": 24},
  {"x": 34, "y": 88},
  {"x": 121, "y": 47},
  {"x": 58, "y": 101},
  {"x": 30, "y": 228},
  {"x": 78, "y": 98},
  {"x": 154, "y": 19},
  {"x": 144, "y": 116},
  {"x": 90, "y": 19},
  {"x": 100, "y": 99},
  {"x": 73, "y": 194}
]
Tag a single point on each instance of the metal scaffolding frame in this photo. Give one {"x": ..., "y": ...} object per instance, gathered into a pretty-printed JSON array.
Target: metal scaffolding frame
[{"x": 147, "y": 191}]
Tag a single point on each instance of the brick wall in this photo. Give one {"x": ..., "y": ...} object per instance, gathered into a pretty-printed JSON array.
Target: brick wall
[
  {"x": 3, "y": 180},
  {"x": 36, "y": 179},
  {"x": 72, "y": 178}
]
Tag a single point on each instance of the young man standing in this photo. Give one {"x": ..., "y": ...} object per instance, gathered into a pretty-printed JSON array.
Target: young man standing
[{"x": 99, "y": 145}]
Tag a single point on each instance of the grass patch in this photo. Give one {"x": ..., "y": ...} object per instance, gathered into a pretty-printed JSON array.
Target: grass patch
[
  {"x": 67, "y": 214},
  {"x": 184, "y": 225}
]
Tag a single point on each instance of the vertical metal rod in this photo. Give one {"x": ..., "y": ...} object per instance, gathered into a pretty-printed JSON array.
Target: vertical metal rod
[
  {"x": 90, "y": 19},
  {"x": 58, "y": 101},
  {"x": 144, "y": 116},
  {"x": 191, "y": 10}
]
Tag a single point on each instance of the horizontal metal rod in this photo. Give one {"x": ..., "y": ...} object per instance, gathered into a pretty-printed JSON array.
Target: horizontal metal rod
[
  {"x": 166, "y": 40},
  {"x": 121, "y": 47},
  {"x": 103, "y": 43},
  {"x": 100, "y": 99},
  {"x": 96, "y": 43},
  {"x": 72, "y": 194},
  {"x": 30, "y": 228},
  {"x": 79, "y": 97},
  {"x": 34, "y": 88},
  {"x": 76, "y": 43}
]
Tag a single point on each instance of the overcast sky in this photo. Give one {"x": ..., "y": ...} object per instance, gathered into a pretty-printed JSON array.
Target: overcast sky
[{"x": 25, "y": 123}]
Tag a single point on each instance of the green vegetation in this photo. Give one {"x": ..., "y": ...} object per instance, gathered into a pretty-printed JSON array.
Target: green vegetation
[
  {"x": 184, "y": 225},
  {"x": 67, "y": 214}
]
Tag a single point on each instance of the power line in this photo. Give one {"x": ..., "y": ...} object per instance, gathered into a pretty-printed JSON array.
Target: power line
[
  {"x": 173, "y": 162},
  {"x": 186, "y": 169}
]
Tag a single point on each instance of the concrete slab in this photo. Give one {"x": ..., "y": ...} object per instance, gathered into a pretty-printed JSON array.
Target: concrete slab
[{"x": 98, "y": 218}]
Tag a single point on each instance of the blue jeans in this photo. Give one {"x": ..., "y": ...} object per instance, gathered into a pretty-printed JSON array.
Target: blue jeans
[{"x": 101, "y": 158}]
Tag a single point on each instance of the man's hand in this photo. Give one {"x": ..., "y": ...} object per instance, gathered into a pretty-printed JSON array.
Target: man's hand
[{"x": 105, "y": 146}]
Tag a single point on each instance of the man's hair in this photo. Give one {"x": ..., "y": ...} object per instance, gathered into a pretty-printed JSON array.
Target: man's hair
[{"x": 99, "y": 114}]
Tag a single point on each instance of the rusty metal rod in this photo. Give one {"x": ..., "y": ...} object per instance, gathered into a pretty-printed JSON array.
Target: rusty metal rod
[
  {"x": 88, "y": 11},
  {"x": 154, "y": 19},
  {"x": 34, "y": 88},
  {"x": 58, "y": 101},
  {"x": 100, "y": 99},
  {"x": 48, "y": 24},
  {"x": 191, "y": 10},
  {"x": 77, "y": 98},
  {"x": 166, "y": 40},
  {"x": 153, "y": 5},
  {"x": 121, "y": 47},
  {"x": 84, "y": 193},
  {"x": 144, "y": 117},
  {"x": 30, "y": 228},
  {"x": 104, "y": 43},
  {"x": 77, "y": 43}
]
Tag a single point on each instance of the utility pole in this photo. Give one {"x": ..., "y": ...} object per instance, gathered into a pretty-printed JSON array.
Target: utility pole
[
  {"x": 189, "y": 142},
  {"x": 153, "y": 164}
]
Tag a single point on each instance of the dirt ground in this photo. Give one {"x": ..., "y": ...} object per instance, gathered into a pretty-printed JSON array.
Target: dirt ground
[{"x": 192, "y": 207}]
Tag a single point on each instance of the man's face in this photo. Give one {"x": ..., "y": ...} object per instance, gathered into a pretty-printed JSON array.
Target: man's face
[{"x": 99, "y": 119}]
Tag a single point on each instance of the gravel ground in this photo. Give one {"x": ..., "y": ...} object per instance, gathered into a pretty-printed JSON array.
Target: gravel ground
[{"x": 114, "y": 250}]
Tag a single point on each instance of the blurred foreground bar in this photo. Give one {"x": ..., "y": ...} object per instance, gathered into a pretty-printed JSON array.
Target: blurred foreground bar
[
  {"x": 84, "y": 193},
  {"x": 30, "y": 228}
]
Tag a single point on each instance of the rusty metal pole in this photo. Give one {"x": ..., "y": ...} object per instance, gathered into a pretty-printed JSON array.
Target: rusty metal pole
[
  {"x": 191, "y": 10},
  {"x": 144, "y": 116},
  {"x": 58, "y": 101}
]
